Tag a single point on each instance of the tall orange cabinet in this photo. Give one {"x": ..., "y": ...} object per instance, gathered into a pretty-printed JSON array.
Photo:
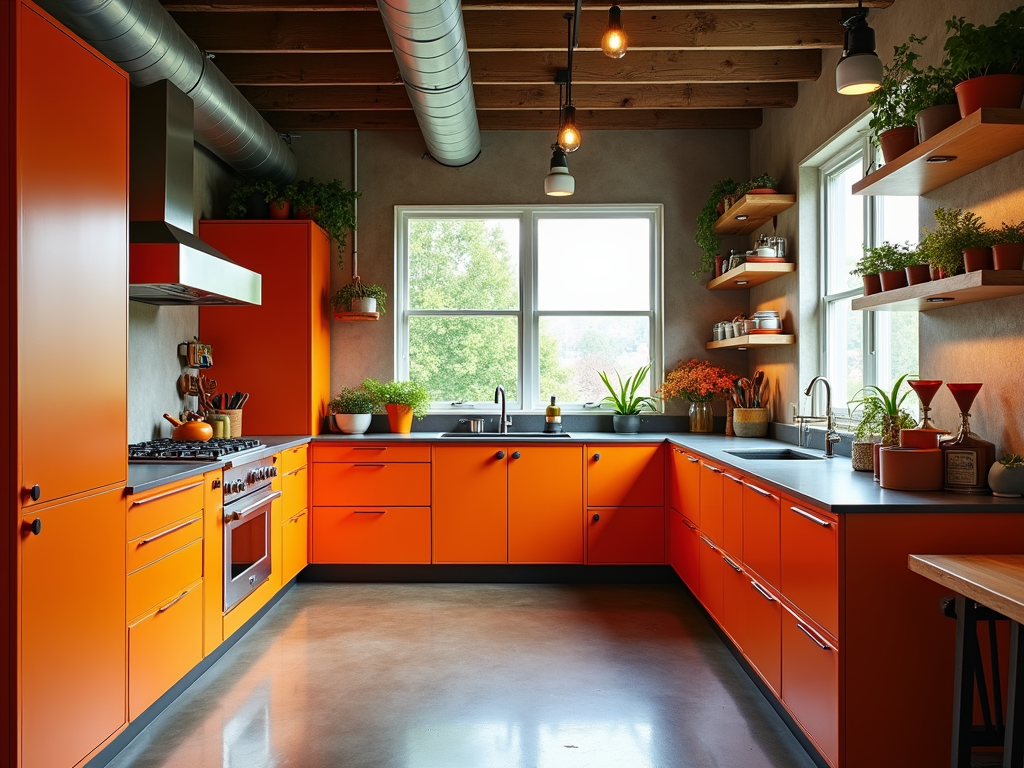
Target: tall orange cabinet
[
  {"x": 64, "y": 218},
  {"x": 278, "y": 352}
]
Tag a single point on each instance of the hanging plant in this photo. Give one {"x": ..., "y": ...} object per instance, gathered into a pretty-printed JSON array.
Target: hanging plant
[
  {"x": 705, "y": 236},
  {"x": 357, "y": 290},
  {"x": 330, "y": 205}
]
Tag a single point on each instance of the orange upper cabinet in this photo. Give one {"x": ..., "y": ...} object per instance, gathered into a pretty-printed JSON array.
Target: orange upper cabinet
[
  {"x": 278, "y": 352},
  {"x": 470, "y": 514},
  {"x": 545, "y": 500},
  {"x": 625, "y": 476},
  {"x": 71, "y": 225},
  {"x": 685, "y": 483},
  {"x": 711, "y": 494}
]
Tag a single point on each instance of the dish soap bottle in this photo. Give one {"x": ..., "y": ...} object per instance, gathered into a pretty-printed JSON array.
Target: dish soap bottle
[{"x": 553, "y": 417}]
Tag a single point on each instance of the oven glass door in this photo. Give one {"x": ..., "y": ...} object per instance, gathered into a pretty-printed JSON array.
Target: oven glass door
[
  {"x": 249, "y": 542},
  {"x": 246, "y": 550}
]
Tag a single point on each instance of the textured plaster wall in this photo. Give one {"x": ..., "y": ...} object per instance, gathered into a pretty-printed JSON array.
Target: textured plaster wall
[
  {"x": 978, "y": 342},
  {"x": 674, "y": 168}
]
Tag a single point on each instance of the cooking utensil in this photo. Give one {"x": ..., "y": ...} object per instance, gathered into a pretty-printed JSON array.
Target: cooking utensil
[{"x": 243, "y": 400}]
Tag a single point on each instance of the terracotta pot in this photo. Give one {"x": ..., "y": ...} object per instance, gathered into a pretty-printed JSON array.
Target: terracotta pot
[
  {"x": 938, "y": 273},
  {"x": 1000, "y": 91},
  {"x": 897, "y": 141},
  {"x": 1008, "y": 255},
  {"x": 306, "y": 213},
  {"x": 935, "y": 120},
  {"x": 977, "y": 259},
  {"x": 893, "y": 279},
  {"x": 720, "y": 208},
  {"x": 281, "y": 210},
  {"x": 399, "y": 418},
  {"x": 919, "y": 273},
  {"x": 872, "y": 284},
  {"x": 761, "y": 191}
]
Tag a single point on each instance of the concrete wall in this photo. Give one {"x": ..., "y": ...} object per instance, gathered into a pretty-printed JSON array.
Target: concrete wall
[
  {"x": 675, "y": 168},
  {"x": 977, "y": 342}
]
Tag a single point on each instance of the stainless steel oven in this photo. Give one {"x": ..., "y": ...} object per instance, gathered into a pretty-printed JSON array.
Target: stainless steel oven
[{"x": 248, "y": 498}]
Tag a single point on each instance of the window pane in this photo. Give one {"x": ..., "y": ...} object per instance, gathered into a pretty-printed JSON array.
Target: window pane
[
  {"x": 845, "y": 228},
  {"x": 464, "y": 358},
  {"x": 897, "y": 347},
  {"x": 464, "y": 264},
  {"x": 574, "y": 349},
  {"x": 898, "y": 220},
  {"x": 588, "y": 264},
  {"x": 845, "y": 351}
]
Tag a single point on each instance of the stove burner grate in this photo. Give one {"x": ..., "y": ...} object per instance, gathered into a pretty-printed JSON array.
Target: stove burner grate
[{"x": 182, "y": 450}]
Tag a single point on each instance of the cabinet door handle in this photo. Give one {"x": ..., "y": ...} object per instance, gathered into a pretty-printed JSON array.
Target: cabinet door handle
[
  {"x": 294, "y": 472},
  {"x": 691, "y": 459},
  {"x": 689, "y": 525},
  {"x": 295, "y": 518},
  {"x": 708, "y": 466},
  {"x": 36, "y": 526},
  {"x": 732, "y": 565},
  {"x": 764, "y": 592},
  {"x": 370, "y": 512},
  {"x": 179, "y": 597},
  {"x": 35, "y": 492},
  {"x": 169, "y": 531},
  {"x": 707, "y": 541},
  {"x": 812, "y": 518},
  {"x": 370, "y": 465},
  {"x": 597, "y": 457},
  {"x": 760, "y": 491},
  {"x": 370, "y": 448},
  {"x": 499, "y": 455},
  {"x": 516, "y": 455},
  {"x": 814, "y": 638},
  {"x": 159, "y": 496},
  {"x": 596, "y": 517},
  {"x": 734, "y": 479}
]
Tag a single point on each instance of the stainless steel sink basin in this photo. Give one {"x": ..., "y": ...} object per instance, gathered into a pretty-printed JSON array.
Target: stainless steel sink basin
[
  {"x": 508, "y": 436},
  {"x": 774, "y": 454}
]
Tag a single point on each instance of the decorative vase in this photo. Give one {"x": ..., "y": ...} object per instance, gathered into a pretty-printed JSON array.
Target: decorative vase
[
  {"x": 352, "y": 423},
  {"x": 281, "y": 210},
  {"x": 1006, "y": 481},
  {"x": 701, "y": 417},
  {"x": 918, "y": 273},
  {"x": 399, "y": 418},
  {"x": 750, "y": 422},
  {"x": 1008, "y": 255},
  {"x": 893, "y": 279},
  {"x": 934, "y": 120},
  {"x": 863, "y": 456},
  {"x": 364, "y": 304},
  {"x": 626, "y": 424},
  {"x": 897, "y": 141},
  {"x": 1000, "y": 91},
  {"x": 872, "y": 284},
  {"x": 977, "y": 259}
]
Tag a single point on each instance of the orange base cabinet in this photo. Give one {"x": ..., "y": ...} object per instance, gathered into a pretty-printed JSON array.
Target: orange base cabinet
[
  {"x": 711, "y": 493},
  {"x": 735, "y": 584},
  {"x": 762, "y": 633},
  {"x": 810, "y": 562},
  {"x": 371, "y": 483},
  {"x": 371, "y": 534},
  {"x": 626, "y": 535},
  {"x": 545, "y": 499},
  {"x": 732, "y": 515},
  {"x": 761, "y": 532},
  {"x": 810, "y": 682},
  {"x": 684, "y": 549},
  {"x": 712, "y": 576},
  {"x": 294, "y": 545},
  {"x": 625, "y": 476},
  {"x": 470, "y": 504},
  {"x": 684, "y": 483}
]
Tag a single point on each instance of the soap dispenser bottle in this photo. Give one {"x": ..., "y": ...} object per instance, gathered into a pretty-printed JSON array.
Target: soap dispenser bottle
[{"x": 553, "y": 417}]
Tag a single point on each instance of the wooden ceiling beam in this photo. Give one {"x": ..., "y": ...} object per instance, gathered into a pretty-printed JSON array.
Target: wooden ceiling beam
[
  {"x": 536, "y": 97},
  {"x": 363, "y": 31},
  {"x": 285, "y": 6},
  {"x": 525, "y": 120},
  {"x": 529, "y": 67}
]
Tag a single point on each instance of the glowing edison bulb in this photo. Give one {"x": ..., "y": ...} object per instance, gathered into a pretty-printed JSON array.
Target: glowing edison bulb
[
  {"x": 569, "y": 137},
  {"x": 614, "y": 41}
]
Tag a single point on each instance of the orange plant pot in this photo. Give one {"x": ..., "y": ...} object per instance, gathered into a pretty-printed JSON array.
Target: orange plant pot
[
  {"x": 281, "y": 210},
  {"x": 399, "y": 418},
  {"x": 977, "y": 259},
  {"x": 999, "y": 91},
  {"x": 897, "y": 141},
  {"x": 1008, "y": 255}
]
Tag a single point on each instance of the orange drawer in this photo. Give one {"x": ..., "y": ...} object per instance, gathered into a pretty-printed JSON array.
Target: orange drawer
[
  {"x": 154, "y": 510},
  {"x": 626, "y": 535},
  {"x": 293, "y": 458},
  {"x": 151, "y": 547},
  {"x": 810, "y": 570},
  {"x": 376, "y": 483},
  {"x": 163, "y": 646},
  {"x": 371, "y": 452},
  {"x": 371, "y": 535},
  {"x": 761, "y": 531},
  {"x": 294, "y": 539},
  {"x": 295, "y": 485},
  {"x": 810, "y": 682},
  {"x": 164, "y": 579}
]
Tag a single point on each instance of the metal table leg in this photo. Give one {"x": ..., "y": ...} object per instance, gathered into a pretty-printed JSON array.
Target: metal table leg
[
  {"x": 1013, "y": 747},
  {"x": 963, "y": 682}
]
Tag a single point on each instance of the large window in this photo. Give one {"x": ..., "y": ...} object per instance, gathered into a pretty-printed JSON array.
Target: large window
[
  {"x": 535, "y": 299},
  {"x": 860, "y": 348}
]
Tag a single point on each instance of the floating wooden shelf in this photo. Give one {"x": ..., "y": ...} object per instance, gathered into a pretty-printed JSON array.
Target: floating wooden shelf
[
  {"x": 757, "y": 340},
  {"x": 356, "y": 317},
  {"x": 979, "y": 139},
  {"x": 756, "y": 208},
  {"x": 948, "y": 292},
  {"x": 747, "y": 275}
]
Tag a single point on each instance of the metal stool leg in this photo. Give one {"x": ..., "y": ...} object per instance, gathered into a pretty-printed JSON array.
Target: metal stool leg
[
  {"x": 963, "y": 682},
  {"x": 1013, "y": 747}
]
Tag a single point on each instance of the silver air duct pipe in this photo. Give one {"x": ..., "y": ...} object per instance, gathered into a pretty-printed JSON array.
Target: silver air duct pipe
[
  {"x": 429, "y": 41},
  {"x": 142, "y": 38}
]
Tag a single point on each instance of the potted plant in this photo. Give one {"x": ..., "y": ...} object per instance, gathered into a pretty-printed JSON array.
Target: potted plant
[
  {"x": 330, "y": 205},
  {"x": 1008, "y": 250},
  {"x": 699, "y": 382},
  {"x": 986, "y": 62},
  {"x": 882, "y": 414},
  {"x": 932, "y": 99},
  {"x": 764, "y": 184},
  {"x": 401, "y": 399},
  {"x": 625, "y": 401},
  {"x": 251, "y": 199},
  {"x": 750, "y": 414},
  {"x": 892, "y": 123},
  {"x": 359, "y": 297},
  {"x": 868, "y": 268},
  {"x": 945, "y": 247},
  {"x": 352, "y": 409},
  {"x": 1006, "y": 476},
  {"x": 705, "y": 237},
  {"x": 892, "y": 262},
  {"x": 281, "y": 201}
]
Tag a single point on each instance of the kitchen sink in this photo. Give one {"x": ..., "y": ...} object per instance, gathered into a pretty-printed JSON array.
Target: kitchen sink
[
  {"x": 507, "y": 436},
  {"x": 774, "y": 454}
]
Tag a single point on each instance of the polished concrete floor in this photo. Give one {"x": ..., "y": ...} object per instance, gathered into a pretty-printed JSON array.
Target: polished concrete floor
[{"x": 473, "y": 676}]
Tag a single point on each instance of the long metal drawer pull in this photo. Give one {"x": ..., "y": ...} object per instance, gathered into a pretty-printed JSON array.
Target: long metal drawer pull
[
  {"x": 252, "y": 507},
  {"x": 370, "y": 448},
  {"x": 169, "y": 531},
  {"x": 689, "y": 525},
  {"x": 708, "y": 466},
  {"x": 732, "y": 565},
  {"x": 692, "y": 460},
  {"x": 812, "y": 518},
  {"x": 295, "y": 518},
  {"x": 179, "y": 597},
  {"x": 370, "y": 512},
  {"x": 764, "y": 593},
  {"x": 760, "y": 491},
  {"x": 294, "y": 472},
  {"x": 369, "y": 465},
  {"x": 707, "y": 541},
  {"x": 159, "y": 496},
  {"x": 817, "y": 641},
  {"x": 734, "y": 479}
]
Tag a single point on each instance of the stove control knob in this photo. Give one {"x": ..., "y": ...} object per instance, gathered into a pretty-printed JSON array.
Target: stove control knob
[
  {"x": 238, "y": 486},
  {"x": 273, "y": 471},
  {"x": 264, "y": 473}
]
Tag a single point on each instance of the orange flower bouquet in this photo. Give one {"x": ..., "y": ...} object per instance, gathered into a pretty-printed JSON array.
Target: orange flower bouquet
[{"x": 698, "y": 381}]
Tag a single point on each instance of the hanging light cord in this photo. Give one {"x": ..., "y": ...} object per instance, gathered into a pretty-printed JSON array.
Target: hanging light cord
[
  {"x": 355, "y": 205},
  {"x": 569, "y": 19}
]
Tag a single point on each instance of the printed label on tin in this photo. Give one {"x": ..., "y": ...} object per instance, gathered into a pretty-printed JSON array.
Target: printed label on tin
[{"x": 961, "y": 468}]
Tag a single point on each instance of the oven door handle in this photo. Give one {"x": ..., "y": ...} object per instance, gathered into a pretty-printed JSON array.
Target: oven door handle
[{"x": 242, "y": 513}]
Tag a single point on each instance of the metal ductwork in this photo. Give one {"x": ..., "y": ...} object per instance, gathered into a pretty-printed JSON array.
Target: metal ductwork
[
  {"x": 142, "y": 38},
  {"x": 429, "y": 41}
]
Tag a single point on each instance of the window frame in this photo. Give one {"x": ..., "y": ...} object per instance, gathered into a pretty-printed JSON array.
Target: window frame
[{"x": 529, "y": 316}]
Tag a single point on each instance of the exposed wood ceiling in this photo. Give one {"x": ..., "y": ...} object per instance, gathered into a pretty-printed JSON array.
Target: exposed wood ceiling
[{"x": 704, "y": 64}]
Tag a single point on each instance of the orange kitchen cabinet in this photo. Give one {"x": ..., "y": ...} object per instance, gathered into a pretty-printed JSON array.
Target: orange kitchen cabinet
[
  {"x": 294, "y": 545},
  {"x": 295, "y": 487},
  {"x": 626, "y": 535},
  {"x": 73, "y": 632},
  {"x": 712, "y": 575},
  {"x": 213, "y": 561},
  {"x": 735, "y": 584},
  {"x": 732, "y": 514},
  {"x": 625, "y": 476},
  {"x": 470, "y": 513},
  {"x": 293, "y": 458},
  {"x": 391, "y": 453},
  {"x": 153, "y": 510},
  {"x": 69, "y": 258},
  {"x": 294, "y": 552},
  {"x": 762, "y": 632},
  {"x": 810, "y": 682},
  {"x": 810, "y": 562},
  {"x": 761, "y": 532},
  {"x": 164, "y": 579},
  {"x": 545, "y": 499},
  {"x": 278, "y": 352},
  {"x": 684, "y": 549},
  {"x": 684, "y": 483},
  {"x": 371, "y": 534},
  {"x": 158, "y": 544},
  {"x": 374, "y": 483},
  {"x": 711, "y": 495}
]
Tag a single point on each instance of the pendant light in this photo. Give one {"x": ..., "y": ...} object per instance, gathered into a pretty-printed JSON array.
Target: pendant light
[
  {"x": 569, "y": 137},
  {"x": 559, "y": 182},
  {"x": 614, "y": 41},
  {"x": 859, "y": 70}
]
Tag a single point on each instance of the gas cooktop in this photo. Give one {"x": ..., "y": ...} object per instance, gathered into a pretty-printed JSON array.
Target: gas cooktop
[{"x": 188, "y": 450}]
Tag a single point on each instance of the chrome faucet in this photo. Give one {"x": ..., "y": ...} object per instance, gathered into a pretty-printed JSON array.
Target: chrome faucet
[
  {"x": 504, "y": 422},
  {"x": 831, "y": 435}
]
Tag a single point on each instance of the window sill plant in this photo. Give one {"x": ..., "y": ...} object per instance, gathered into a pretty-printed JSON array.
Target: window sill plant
[
  {"x": 987, "y": 62},
  {"x": 699, "y": 382},
  {"x": 625, "y": 401},
  {"x": 881, "y": 414},
  {"x": 351, "y": 410},
  {"x": 402, "y": 400}
]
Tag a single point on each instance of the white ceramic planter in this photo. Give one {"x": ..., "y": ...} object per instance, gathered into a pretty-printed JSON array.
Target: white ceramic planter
[
  {"x": 1005, "y": 481},
  {"x": 352, "y": 423},
  {"x": 364, "y": 305}
]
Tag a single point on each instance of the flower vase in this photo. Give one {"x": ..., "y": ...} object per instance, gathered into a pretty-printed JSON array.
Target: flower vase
[{"x": 701, "y": 417}]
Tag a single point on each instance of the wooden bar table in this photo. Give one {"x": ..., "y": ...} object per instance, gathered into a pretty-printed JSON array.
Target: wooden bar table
[{"x": 997, "y": 583}]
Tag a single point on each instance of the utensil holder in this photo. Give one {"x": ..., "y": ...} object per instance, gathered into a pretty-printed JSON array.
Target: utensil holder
[{"x": 235, "y": 419}]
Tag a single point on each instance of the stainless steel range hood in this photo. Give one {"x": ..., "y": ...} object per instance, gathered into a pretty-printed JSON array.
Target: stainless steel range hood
[{"x": 167, "y": 263}]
